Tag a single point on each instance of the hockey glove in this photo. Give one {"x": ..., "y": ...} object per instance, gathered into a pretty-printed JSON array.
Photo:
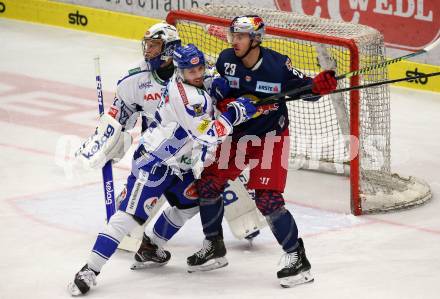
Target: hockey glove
[
  {"x": 240, "y": 111},
  {"x": 324, "y": 83},
  {"x": 219, "y": 88},
  {"x": 222, "y": 105}
]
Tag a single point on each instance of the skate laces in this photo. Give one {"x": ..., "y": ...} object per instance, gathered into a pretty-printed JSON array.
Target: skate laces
[
  {"x": 206, "y": 247},
  {"x": 288, "y": 259},
  {"x": 161, "y": 252},
  {"x": 88, "y": 276}
]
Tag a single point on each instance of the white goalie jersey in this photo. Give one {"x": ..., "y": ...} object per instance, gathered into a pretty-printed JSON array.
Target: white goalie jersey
[
  {"x": 186, "y": 131},
  {"x": 138, "y": 93}
]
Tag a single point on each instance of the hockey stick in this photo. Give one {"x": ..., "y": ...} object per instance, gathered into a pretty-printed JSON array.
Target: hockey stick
[
  {"x": 297, "y": 91},
  {"x": 107, "y": 172},
  {"x": 388, "y": 62},
  {"x": 315, "y": 97}
]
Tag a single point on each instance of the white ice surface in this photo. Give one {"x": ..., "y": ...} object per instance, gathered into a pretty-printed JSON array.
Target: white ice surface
[{"x": 50, "y": 216}]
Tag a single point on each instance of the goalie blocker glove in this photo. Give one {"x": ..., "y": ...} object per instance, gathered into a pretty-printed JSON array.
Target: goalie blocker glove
[{"x": 108, "y": 142}]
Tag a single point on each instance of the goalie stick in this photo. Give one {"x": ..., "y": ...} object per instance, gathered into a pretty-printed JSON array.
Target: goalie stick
[
  {"x": 272, "y": 100},
  {"x": 107, "y": 173}
]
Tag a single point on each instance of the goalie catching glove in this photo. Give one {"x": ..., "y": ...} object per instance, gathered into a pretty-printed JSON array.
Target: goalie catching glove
[{"x": 108, "y": 142}]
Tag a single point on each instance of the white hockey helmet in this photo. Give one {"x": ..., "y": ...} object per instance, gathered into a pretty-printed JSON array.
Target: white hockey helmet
[
  {"x": 251, "y": 24},
  {"x": 168, "y": 34}
]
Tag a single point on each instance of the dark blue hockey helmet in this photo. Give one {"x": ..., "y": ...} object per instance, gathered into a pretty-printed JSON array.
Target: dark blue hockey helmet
[{"x": 187, "y": 57}]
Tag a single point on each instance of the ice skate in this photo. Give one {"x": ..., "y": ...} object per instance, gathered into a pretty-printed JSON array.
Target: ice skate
[
  {"x": 84, "y": 279},
  {"x": 210, "y": 257},
  {"x": 296, "y": 268},
  {"x": 150, "y": 255}
]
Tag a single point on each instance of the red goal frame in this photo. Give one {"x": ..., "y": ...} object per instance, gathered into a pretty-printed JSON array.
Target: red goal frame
[{"x": 173, "y": 16}]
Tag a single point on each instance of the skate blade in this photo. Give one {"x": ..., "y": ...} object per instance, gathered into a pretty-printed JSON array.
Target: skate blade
[
  {"x": 215, "y": 264},
  {"x": 301, "y": 278},
  {"x": 73, "y": 289},
  {"x": 147, "y": 265}
]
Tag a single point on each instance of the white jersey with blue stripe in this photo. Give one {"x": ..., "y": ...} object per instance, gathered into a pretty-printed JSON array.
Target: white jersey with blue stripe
[{"x": 185, "y": 128}]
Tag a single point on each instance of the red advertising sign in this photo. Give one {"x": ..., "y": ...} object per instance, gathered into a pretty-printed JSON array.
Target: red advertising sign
[{"x": 405, "y": 24}]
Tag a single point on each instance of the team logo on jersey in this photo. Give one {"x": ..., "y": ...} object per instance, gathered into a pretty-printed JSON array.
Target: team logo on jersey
[
  {"x": 196, "y": 110},
  {"x": 268, "y": 87},
  {"x": 190, "y": 192},
  {"x": 248, "y": 78},
  {"x": 149, "y": 204},
  {"x": 152, "y": 96},
  {"x": 113, "y": 111},
  {"x": 234, "y": 82}
]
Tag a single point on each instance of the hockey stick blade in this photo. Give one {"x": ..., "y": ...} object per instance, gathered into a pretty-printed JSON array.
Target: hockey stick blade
[{"x": 315, "y": 97}]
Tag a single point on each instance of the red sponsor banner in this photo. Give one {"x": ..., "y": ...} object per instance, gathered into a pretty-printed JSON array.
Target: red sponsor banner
[{"x": 405, "y": 24}]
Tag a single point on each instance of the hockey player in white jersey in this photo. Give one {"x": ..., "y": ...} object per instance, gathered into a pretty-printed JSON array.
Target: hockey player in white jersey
[
  {"x": 138, "y": 94},
  {"x": 184, "y": 129}
]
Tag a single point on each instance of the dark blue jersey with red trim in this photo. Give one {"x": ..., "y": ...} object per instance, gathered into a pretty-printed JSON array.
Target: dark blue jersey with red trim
[{"x": 272, "y": 74}]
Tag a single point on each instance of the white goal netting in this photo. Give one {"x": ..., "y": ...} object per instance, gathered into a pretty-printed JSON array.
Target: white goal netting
[{"x": 347, "y": 133}]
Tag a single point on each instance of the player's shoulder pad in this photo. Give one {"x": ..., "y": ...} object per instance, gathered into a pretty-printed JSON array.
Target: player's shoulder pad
[{"x": 196, "y": 101}]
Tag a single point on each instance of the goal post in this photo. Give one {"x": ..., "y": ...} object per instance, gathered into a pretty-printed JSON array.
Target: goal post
[{"x": 346, "y": 133}]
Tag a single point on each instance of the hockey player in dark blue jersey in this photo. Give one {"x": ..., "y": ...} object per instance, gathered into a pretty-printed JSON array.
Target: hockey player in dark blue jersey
[{"x": 250, "y": 70}]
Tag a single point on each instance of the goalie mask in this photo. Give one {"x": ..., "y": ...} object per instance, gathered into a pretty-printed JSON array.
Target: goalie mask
[
  {"x": 159, "y": 43},
  {"x": 190, "y": 64}
]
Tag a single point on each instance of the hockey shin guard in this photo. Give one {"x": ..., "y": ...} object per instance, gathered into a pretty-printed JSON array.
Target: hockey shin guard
[
  {"x": 211, "y": 215},
  {"x": 169, "y": 223},
  {"x": 284, "y": 228},
  {"x": 107, "y": 242}
]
